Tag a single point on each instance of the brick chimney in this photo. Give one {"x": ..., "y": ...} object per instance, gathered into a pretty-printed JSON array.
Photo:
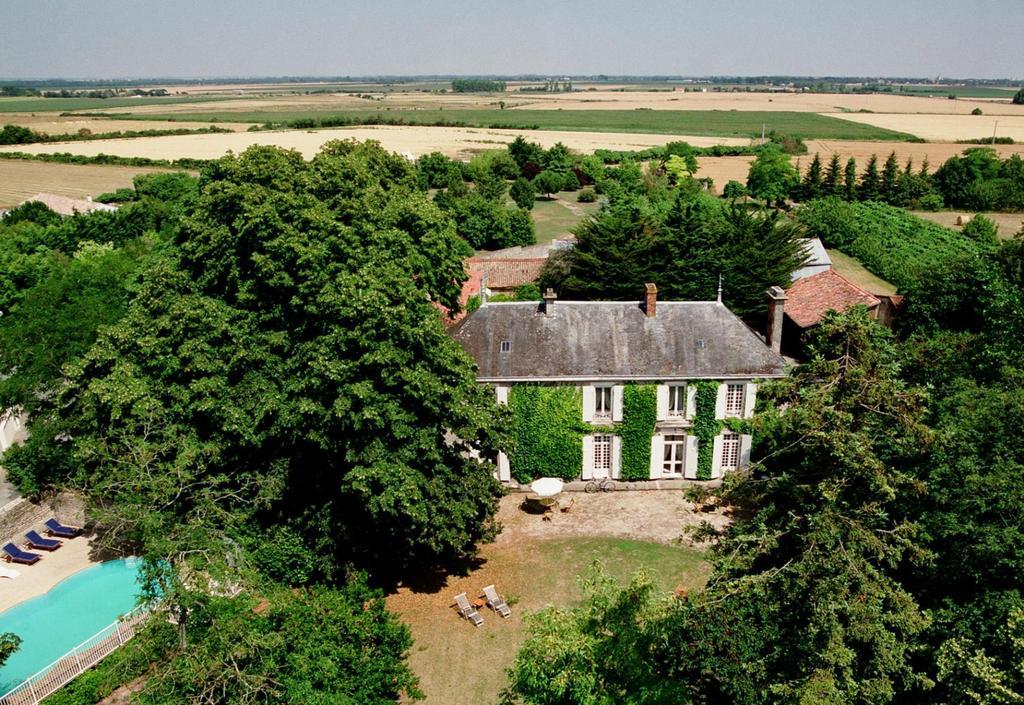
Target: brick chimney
[
  {"x": 651, "y": 300},
  {"x": 549, "y": 302},
  {"x": 776, "y": 308}
]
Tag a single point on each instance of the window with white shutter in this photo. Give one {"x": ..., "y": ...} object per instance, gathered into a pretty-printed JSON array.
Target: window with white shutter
[
  {"x": 734, "y": 399},
  {"x": 602, "y": 404},
  {"x": 677, "y": 401},
  {"x": 730, "y": 451}
]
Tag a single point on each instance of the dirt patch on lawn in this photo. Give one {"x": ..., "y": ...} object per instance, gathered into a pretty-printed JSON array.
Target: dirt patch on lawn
[{"x": 660, "y": 516}]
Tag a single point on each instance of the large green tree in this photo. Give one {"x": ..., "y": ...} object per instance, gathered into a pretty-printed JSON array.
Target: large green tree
[
  {"x": 288, "y": 368},
  {"x": 771, "y": 177},
  {"x": 303, "y": 647},
  {"x": 683, "y": 251}
]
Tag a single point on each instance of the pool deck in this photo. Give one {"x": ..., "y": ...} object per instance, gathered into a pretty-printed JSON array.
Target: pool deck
[{"x": 37, "y": 579}]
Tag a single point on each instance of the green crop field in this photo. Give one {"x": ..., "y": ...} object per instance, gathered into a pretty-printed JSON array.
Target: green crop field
[
  {"x": 51, "y": 105},
  {"x": 715, "y": 123},
  {"x": 958, "y": 91}
]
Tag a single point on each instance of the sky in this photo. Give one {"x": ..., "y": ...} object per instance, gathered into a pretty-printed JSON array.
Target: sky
[{"x": 228, "y": 38}]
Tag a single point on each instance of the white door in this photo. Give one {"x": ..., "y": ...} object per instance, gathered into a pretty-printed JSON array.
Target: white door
[{"x": 602, "y": 455}]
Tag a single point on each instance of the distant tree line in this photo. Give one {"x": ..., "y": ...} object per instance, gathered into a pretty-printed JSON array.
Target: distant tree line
[{"x": 477, "y": 85}]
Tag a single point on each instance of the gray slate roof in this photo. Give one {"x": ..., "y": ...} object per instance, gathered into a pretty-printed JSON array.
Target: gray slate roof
[
  {"x": 614, "y": 341},
  {"x": 817, "y": 262}
]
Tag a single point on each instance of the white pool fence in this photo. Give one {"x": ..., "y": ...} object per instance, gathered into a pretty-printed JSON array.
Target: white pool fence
[{"x": 75, "y": 662}]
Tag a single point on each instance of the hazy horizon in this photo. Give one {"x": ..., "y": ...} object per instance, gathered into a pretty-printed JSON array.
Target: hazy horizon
[{"x": 144, "y": 39}]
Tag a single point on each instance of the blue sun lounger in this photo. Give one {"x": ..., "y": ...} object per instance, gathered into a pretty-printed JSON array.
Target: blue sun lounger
[
  {"x": 55, "y": 528},
  {"x": 15, "y": 554},
  {"x": 37, "y": 541}
]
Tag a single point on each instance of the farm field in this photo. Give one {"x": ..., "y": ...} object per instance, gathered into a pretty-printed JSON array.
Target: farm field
[
  {"x": 23, "y": 179},
  {"x": 55, "y": 124},
  {"x": 57, "y": 105},
  {"x": 1009, "y": 223},
  {"x": 453, "y": 141},
  {"x": 720, "y": 123},
  {"x": 385, "y": 98},
  {"x": 948, "y": 127}
]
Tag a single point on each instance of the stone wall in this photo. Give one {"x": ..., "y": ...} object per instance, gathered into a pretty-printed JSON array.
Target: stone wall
[{"x": 20, "y": 515}]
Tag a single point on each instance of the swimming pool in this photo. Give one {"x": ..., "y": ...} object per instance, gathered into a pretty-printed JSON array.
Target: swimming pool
[{"x": 73, "y": 610}]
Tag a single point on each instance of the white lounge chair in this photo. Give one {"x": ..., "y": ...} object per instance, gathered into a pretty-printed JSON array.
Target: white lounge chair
[
  {"x": 496, "y": 601},
  {"x": 467, "y": 610},
  {"x": 9, "y": 573}
]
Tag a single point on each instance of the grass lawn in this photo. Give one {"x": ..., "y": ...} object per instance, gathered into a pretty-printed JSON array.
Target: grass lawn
[
  {"x": 716, "y": 123},
  {"x": 853, "y": 270},
  {"x": 459, "y": 664},
  {"x": 556, "y": 218}
]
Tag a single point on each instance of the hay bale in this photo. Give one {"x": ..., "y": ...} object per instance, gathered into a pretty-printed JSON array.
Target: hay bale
[{"x": 963, "y": 219}]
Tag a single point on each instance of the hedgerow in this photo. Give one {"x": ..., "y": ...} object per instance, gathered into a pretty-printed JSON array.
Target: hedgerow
[
  {"x": 639, "y": 418},
  {"x": 68, "y": 158},
  {"x": 890, "y": 242}
]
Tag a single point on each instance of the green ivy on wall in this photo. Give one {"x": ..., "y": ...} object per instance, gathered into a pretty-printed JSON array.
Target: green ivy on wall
[
  {"x": 705, "y": 427},
  {"x": 639, "y": 418},
  {"x": 547, "y": 431}
]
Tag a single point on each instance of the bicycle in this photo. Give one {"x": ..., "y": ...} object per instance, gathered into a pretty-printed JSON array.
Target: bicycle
[{"x": 603, "y": 484}]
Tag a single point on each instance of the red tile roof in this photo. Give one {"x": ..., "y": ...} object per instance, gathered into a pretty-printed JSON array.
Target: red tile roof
[
  {"x": 808, "y": 299},
  {"x": 507, "y": 273},
  {"x": 470, "y": 287}
]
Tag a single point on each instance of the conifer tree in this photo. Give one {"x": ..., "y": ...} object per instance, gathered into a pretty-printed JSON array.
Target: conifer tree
[
  {"x": 870, "y": 182},
  {"x": 850, "y": 180},
  {"x": 811, "y": 186},
  {"x": 833, "y": 183},
  {"x": 890, "y": 181}
]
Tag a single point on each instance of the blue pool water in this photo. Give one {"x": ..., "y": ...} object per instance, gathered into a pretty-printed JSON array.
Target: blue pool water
[{"x": 76, "y": 608}]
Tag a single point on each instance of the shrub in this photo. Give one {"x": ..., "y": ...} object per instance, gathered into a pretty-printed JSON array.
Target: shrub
[
  {"x": 930, "y": 202},
  {"x": 976, "y": 111},
  {"x": 587, "y": 195},
  {"x": 523, "y": 193},
  {"x": 982, "y": 230}
]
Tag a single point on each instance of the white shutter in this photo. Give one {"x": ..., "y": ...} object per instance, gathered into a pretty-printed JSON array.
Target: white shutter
[
  {"x": 690, "y": 466},
  {"x": 617, "y": 403},
  {"x": 657, "y": 455},
  {"x": 588, "y": 403},
  {"x": 716, "y": 458},
  {"x": 691, "y": 400},
  {"x": 616, "y": 457},
  {"x": 745, "y": 443},
  {"x": 502, "y": 394},
  {"x": 588, "y": 457},
  {"x": 662, "y": 403},
  {"x": 749, "y": 398},
  {"x": 720, "y": 401},
  {"x": 504, "y": 472}
]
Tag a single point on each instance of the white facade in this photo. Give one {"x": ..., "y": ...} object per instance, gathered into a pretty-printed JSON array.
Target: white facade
[{"x": 674, "y": 450}]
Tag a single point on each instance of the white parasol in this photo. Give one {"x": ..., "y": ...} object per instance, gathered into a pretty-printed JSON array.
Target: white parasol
[{"x": 547, "y": 486}]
